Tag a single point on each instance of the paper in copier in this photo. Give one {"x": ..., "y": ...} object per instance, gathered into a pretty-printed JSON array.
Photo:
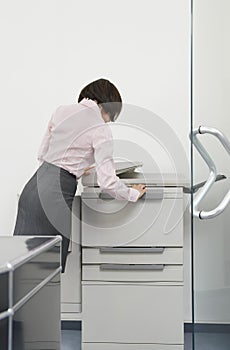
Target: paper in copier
[{"x": 128, "y": 174}]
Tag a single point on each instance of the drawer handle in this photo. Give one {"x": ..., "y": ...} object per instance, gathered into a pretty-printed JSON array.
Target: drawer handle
[
  {"x": 142, "y": 267},
  {"x": 152, "y": 193},
  {"x": 132, "y": 250}
]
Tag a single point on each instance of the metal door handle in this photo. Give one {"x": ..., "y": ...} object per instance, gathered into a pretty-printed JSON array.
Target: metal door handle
[
  {"x": 132, "y": 267},
  {"x": 213, "y": 173},
  {"x": 132, "y": 250}
]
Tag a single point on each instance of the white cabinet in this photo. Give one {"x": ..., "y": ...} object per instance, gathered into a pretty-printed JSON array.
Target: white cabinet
[
  {"x": 71, "y": 279},
  {"x": 132, "y": 273},
  {"x": 105, "y": 346}
]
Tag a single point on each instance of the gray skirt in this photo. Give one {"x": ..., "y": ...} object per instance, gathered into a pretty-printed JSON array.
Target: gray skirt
[{"x": 45, "y": 205}]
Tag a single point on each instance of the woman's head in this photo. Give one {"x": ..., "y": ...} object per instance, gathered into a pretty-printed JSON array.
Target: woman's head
[{"x": 105, "y": 94}]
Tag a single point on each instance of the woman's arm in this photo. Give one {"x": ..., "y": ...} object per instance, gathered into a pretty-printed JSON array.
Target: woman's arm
[{"x": 106, "y": 175}]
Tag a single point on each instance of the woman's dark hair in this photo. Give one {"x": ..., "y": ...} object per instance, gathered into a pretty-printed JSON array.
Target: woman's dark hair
[{"x": 106, "y": 95}]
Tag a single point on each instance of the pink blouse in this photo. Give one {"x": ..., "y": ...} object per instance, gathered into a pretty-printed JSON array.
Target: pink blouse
[{"x": 77, "y": 137}]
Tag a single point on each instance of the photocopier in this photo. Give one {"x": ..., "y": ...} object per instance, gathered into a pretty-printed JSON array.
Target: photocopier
[{"x": 132, "y": 263}]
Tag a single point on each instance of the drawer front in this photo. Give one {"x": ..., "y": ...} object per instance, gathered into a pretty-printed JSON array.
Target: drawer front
[
  {"x": 132, "y": 314},
  {"x": 110, "y": 346},
  {"x": 144, "y": 223},
  {"x": 130, "y": 255},
  {"x": 130, "y": 273},
  {"x": 71, "y": 279}
]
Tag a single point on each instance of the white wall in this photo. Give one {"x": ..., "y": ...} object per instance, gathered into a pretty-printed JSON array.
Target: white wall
[{"x": 51, "y": 49}]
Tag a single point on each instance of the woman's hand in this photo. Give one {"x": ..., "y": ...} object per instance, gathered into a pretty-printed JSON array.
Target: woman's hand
[
  {"x": 87, "y": 170},
  {"x": 141, "y": 188}
]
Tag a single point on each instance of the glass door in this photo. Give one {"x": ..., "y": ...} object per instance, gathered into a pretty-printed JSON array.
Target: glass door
[{"x": 211, "y": 233}]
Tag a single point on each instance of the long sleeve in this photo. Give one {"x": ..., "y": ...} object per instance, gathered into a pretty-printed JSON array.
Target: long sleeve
[{"x": 106, "y": 175}]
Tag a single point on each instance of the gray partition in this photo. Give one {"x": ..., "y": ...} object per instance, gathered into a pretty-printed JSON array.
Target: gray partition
[{"x": 30, "y": 293}]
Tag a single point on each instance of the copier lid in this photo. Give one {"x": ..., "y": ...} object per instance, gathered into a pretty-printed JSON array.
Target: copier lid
[{"x": 124, "y": 167}]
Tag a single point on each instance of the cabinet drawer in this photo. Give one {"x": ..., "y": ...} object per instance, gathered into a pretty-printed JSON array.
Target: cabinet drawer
[
  {"x": 110, "y": 346},
  {"x": 123, "y": 313},
  {"x": 134, "y": 272},
  {"x": 130, "y": 255},
  {"x": 115, "y": 223},
  {"x": 71, "y": 279}
]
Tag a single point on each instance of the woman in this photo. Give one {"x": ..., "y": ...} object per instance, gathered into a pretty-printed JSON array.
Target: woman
[{"x": 77, "y": 136}]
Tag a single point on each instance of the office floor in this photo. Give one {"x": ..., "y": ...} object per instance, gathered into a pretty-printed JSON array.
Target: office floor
[{"x": 71, "y": 340}]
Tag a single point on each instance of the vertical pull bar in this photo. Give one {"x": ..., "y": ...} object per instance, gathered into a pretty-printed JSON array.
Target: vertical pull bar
[{"x": 213, "y": 173}]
